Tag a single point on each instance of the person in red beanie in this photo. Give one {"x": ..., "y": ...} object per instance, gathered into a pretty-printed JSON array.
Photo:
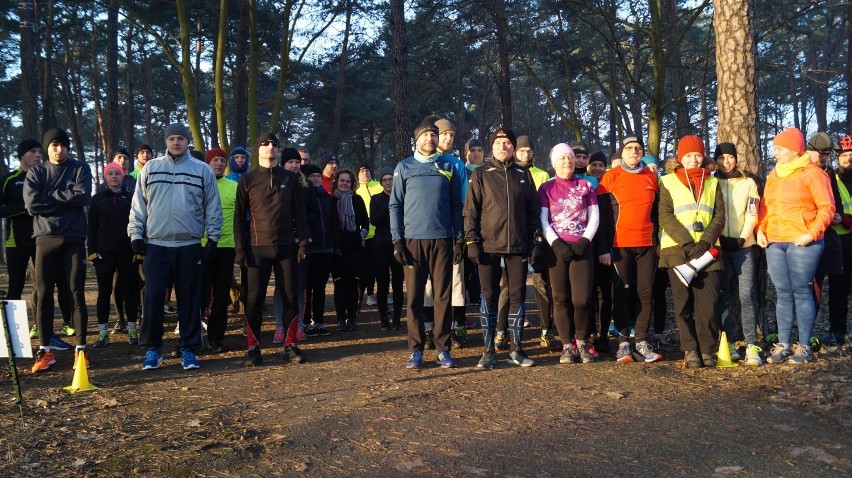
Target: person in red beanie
[
  {"x": 796, "y": 208},
  {"x": 692, "y": 216}
]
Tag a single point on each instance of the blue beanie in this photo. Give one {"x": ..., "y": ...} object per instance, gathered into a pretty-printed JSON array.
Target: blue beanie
[{"x": 240, "y": 169}]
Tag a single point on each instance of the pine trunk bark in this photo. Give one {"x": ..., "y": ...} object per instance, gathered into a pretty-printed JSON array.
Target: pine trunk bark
[
  {"x": 130, "y": 111},
  {"x": 29, "y": 70},
  {"x": 341, "y": 82},
  {"x": 399, "y": 74},
  {"x": 498, "y": 12},
  {"x": 110, "y": 128},
  {"x": 48, "y": 111}
]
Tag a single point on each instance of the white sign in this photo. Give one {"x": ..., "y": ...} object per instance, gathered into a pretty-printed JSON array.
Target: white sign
[{"x": 16, "y": 316}]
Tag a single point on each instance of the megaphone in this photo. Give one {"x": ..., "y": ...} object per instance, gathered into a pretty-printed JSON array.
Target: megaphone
[{"x": 686, "y": 272}]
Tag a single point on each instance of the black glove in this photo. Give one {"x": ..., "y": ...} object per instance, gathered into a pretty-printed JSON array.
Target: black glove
[
  {"x": 699, "y": 249},
  {"x": 473, "y": 252},
  {"x": 562, "y": 250},
  {"x": 209, "y": 251},
  {"x": 579, "y": 247},
  {"x": 402, "y": 254},
  {"x": 728, "y": 243},
  {"x": 303, "y": 253},
  {"x": 138, "y": 246},
  {"x": 535, "y": 255},
  {"x": 458, "y": 251},
  {"x": 846, "y": 220}
]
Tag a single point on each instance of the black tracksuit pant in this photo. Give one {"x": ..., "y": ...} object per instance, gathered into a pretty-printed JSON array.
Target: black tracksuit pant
[
  {"x": 490, "y": 273},
  {"x": 319, "y": 271},
  {"x": 701, "y": 298},
  {"x": 60, "y": 256},
  {"x": 263, "y": 261},
  {"x": 432, "y": 258},
  {"x": 634, "y": 272},
  {"x": 838, "y": 291},
  {"x": 106, "y": 268},
  {"x": 218, "y": 275},
  {"x": 387, "y": 270}
]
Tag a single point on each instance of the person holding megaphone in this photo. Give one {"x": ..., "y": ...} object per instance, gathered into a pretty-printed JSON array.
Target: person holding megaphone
[{"x": 691, "y": 218}]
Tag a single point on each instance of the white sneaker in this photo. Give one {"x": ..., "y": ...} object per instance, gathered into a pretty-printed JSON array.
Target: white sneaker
[
  {"x": 753, "y": 355},
  {"x": 371, "y": 300}
]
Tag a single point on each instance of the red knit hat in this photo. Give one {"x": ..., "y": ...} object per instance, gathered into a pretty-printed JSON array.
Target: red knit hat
[
  {"x": 792, "y": 139},
  {"x": 216, "y": 153},
  {"x": 689, "y": 144}
]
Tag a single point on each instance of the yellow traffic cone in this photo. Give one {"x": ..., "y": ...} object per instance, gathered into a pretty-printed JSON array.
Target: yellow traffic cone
[
  {"x": 81, "y": 375},
  {"x": 723, "y": 359}
]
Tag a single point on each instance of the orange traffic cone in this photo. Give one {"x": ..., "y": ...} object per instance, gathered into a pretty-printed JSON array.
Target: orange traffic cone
[
  {"x": 723, "y": 359},
  {"x": 81, "y": 375}
]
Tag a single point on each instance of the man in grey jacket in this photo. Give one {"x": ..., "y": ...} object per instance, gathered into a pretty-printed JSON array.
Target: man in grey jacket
[{"x": 175, "y": 202}]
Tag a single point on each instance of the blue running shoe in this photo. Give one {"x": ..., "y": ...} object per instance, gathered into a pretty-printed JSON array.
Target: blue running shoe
[
  {"x": 188, "y": 360},
  {"x": 59, "y": 344},
  {"x": 416, "y": 360},
  {"x": 153, "y": 359},
  {"x": 445, "y": 360},
  {"x": 612, "y": 332}
]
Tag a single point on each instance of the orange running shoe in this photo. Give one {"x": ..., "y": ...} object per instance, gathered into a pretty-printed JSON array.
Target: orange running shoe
[
  {"x": 74, "y": 367},
  {"x": 44, "y": 360}
]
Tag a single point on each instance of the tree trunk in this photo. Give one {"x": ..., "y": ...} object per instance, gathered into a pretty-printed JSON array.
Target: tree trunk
[
  {"x": 193, "y": 115},
  {"x": 497, "y": 8},
  {"x": 675, "y": 70},
  {"x": 736, "y": 99},
  {"x": 254, "y": 59},
  {"x": 48, "y": 112},
  {"x": 399, "y": 75},
  {"x": 29, "y": 72},
  {"x": 239, "y": 124},
  {"x": 341, "y": 81},
  {"x": 129, "y": 120},
  {"x": 849, "y": 67},
  {"x": 109, "y": 130},
  {"x": 221, "y": 46},
  {"x": 149, "y": 94},
  {"x": 283, "y": 66}
]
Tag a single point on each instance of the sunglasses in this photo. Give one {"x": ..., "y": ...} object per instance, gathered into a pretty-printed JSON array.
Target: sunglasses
[{"x": 274, "y": 144}]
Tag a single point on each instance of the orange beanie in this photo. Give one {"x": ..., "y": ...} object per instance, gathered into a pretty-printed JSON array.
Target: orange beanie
[
  {"x": 792, "y": 139},
  {"x": 689, "y": 144}
]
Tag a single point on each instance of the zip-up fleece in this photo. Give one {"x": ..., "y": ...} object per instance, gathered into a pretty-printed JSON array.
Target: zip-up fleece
[
  {"x": 274, "y": 201},
  {"x": 175, "y": 202},
  {"x": 425, "y": 200},
  {"x": 56, "y": 195},
  {"x": 502, "y": 210},
  {"x": 19, "y": 224},
  {"x": 799, "y": 203},
  {"x": 108, "y": 218},
  {"x": 325, "y": 230}
]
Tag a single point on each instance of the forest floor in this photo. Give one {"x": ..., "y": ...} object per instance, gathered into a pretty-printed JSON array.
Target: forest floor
[{"x": 354, "y": 409}]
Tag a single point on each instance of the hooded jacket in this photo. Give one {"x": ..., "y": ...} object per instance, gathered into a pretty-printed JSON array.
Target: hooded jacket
[
  {"x": 502, "y": 208},
  {"x": 56, "y": 195},
  {"x": 175, "y": 202},
  {"x": 108, "y": 218},
  {"x": 236, "y": 171}
]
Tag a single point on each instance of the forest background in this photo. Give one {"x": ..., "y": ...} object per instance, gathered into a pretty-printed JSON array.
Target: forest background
[{"x": 354, "y": 77}]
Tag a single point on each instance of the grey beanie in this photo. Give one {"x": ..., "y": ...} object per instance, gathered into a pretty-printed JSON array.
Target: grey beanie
[
  {"x": 177, "y": 129},
  {"x": 386, "y": 171}
]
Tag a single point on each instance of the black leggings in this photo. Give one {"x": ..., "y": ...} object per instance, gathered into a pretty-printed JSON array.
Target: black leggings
[
  {"x": 346, "y": 271},
  {"x": 367, "y": 276},
  {"x": 17, "y": 261},
  {"x": 572, "y": 283},
  {"x": 106, "y": 268},
  {"x": 216, "y": 290},
  {"x": 541, "y": 287},
  {"x": 603, "y": 303},
  {"x": 387, "y": 270},
  {"x": 490, "y": 274},
  {"x": 634, "y": 271},
  {"x": 55, "y": 257},
  {"x": 318, "y": 273},
  {"x": 264, "y": 261}
]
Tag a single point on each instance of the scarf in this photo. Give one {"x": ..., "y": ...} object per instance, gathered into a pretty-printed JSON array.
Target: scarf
[
  {"x": 735, "y": 173},
  {"x": 638, "y": 169},
  {"x": 786, "y": 169},
  {"x": 695, "y": 177},
  {"x": 345, "y": 210},
  {"x": 426, "y": 159}
]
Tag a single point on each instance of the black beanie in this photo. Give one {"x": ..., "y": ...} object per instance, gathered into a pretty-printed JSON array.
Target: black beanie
[
  {"x": 121, "y": 151},
  {"x": 599, "y": 156},
  {"x": 725, "y": 148},
  {"x": 267, "y": 136},
  {"x": 328, "y": 157},
  {"x": 423, "y": 127},
  {"x": 524, "y": 142},
  {"x": 56, "y": 135},
  {"x": 579, "y": 147},
  {"x": 290, "y": 153},
  {"x": 627, "y": 140},
  {"x": 144, "y": 147},
  {"x": 504, "y": 133},
  {"x": 472, "y": 143},
  {"x": 26, "y": 146},
  {"x": 312, "y": 169}
]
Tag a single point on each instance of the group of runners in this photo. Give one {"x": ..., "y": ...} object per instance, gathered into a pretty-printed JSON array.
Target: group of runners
[{"x": 603, "y": 239}]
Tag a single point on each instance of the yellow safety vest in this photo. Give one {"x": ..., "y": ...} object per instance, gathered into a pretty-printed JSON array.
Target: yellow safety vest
[
  {"x": 686, "y": 210},
  {"x": 847, "y": 206}
]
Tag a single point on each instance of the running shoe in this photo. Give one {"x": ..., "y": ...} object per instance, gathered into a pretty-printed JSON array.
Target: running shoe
[
  {"x": 253, "y": 358},
  {"x": 779, "y": 353},
  {"x": 85, "y": 355},
  {"x": 133, "y": 337},
  {"x": 301, "y": 336},
  {"x": 67, "y": 329},
  {"x": 593, "y": 352},
  {"x": 583, "y": 350},
  {"x": 445, "y": 360},
  {"x": 102, "y": 341},
  {"x": 384, "y": 324},
  {"x": 292, "y": 354},
  {"x": 735, "y": 355},
  {"x": 550, "y": 342},
  {"x": 352, "y": 324},
  {"x": 44, "y": 360},
  {"x": 519, "y": 357},
  {"x": 341, "y": 326},
  {"x": 489, "y": 358},
  {"x": 624, "y": 354},
  {"x": 461, "y": 334},
  {"x": 34, "y": 332},
  {"x": 188, "y": 360},
  {"x": 153, "y": 359},
  {"x": 612, "y": 332},
  {"x": 57, "y": 343},
  {"x": 120, "y": 327},
  {"x": 831, "y": 339},
  {"x": 416, "y": 360},
  {"x": 753, "y": 355},
  {"x": 321, "y": 330},
  {"x": 371, "y": 299},
  {"x": 801, "y": 354},
  {"x": 569, "y": 354},
  {"x": 692, "y": 359},
  {"x": 429, "y": 341},
  {"x": 169, "y": 309},
  {"x": 644, "y": 350},
  {"x": 310, "y": 330}
]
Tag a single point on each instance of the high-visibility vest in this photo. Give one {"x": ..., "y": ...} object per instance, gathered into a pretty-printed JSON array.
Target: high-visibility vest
[
  {"x": 686, "y": 210},
  {"x": 847, "y": 207}
]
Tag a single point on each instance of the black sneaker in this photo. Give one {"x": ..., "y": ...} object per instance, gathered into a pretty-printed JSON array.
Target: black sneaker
[
  {"x": 384, "y": 324},
  {"x": 341, "y": 326},
  {"x": 215, "y": 346},
  {"x": 693, "y": 360},
  {"x": 293, "y": 354},
  {"x": 253, "y": 358},
  {"x": 311, "y": 330},
  {"x": 396, "y": 324},
  {"x": 429, "y": 341},
  {"x": 120, "y": 327},
  {"x": 321, "y": 330},
  {"x": 352, "y": 324}
]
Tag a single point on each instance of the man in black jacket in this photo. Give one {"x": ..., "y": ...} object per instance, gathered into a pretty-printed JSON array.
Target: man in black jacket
[{"x": 501, "y": 216}]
